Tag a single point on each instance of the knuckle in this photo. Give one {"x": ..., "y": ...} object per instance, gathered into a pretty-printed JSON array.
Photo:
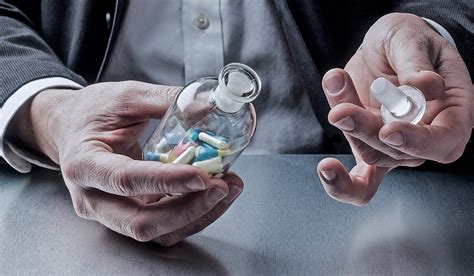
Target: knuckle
[
  {"x": 188, "y": 215},
  {"x": 169, "y": 92},
  {"x": 370, "y": 155},
  {"x": 120, "y": 182},
  {"x": 365, "y": 199},
  {"x": 141, "y": 230},
  {"x": 167, "y": 240},
  {"x": 161, "y": 181},
  {"x": 335, "y": 193},
  {"x": 74, "y": 170},
  {"x": 421, "y": 147},
  {"x": 453, "y": 155}
]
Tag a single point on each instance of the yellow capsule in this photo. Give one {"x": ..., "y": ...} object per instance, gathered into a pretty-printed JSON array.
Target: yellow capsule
[
  {"x": 223, "y": 153},
  {"x": 213, "y": 165},
  {"x": 213, "y": 141},
  {"x": 171, "y": 156}
]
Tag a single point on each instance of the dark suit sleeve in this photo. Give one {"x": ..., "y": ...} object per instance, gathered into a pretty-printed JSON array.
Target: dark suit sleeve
[
  {"x": 456, "y": 16},
  {"x": 24, "y": 55}
]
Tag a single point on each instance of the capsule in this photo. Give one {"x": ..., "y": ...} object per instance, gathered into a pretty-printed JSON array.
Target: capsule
[
  {"x": 223, "y": 153},
  {"x": 156, "y": 156},
  {"x": 172, "y": 138},
  {"x": 203, "y": 153},
  {"x": 171, "y": 156},
  {"x": 206, "y": 145},
  {"x": 213, "y": 141},
  {"x": 181, "y": 147},
  {"x": 186, "y": 156},
  {"x": 212, "y": 166},
  {"x": 161, "y": 145},
  {"x": 195, "y": 134}
]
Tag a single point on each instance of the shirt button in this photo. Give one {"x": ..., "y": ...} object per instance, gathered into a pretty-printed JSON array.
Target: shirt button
[
  {"x": 201, "y": 21},
  {"x": 108, "y": 20}
]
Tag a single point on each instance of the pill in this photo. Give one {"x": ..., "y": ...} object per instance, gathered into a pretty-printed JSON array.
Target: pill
[
  {"x": 195, "y": 134},
  {"x": 213, "y": 141},
  {"x": 155, "y": 156},
  {"x": 203, "y": 153},
  {"x": 161, "y": 145},
  {"x": 223, "y": 153},
  {"x": 213, "y": 134},
  {"x": 219, "y": 175},
  {"x": 206, "y": 145},
  {"x": 171, "y": 156},
  {"x": 213, "y": 165},
  {"x": 186, "y": 156},
  {"x": 181, "y": 147},
  {"x": 172, "y": 138}
]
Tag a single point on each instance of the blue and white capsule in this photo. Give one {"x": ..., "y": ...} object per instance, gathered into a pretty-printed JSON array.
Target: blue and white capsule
[
  {"x": 156, "y": 156},
  {"x": 213, "y": 141}
]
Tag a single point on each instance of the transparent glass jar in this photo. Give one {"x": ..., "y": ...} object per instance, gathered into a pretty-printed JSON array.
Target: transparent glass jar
[{"x": 210, "y": 122}]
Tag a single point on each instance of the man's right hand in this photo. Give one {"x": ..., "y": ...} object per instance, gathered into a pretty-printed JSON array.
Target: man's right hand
[{"x": 92, "y": 135}]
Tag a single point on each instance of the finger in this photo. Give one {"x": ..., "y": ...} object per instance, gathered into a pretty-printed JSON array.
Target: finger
[
  {"x": 144, "y": 100},
  {"x": 412, "y": 60},
  {"x": 144, "y": 222},
  {"x": 121, "y": 175},
  {"x": 235, "y": 188},
  {"x": 364, "y": 125},
  {"x": 356, "y": 187},
  {"x": 432, "y": 142},
  {"x": 338, "y": 88},
  {"x": 371, "y": 156}
]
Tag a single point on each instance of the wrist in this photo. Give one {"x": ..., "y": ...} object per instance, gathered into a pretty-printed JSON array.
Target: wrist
[{"x": 38, "y": 123}]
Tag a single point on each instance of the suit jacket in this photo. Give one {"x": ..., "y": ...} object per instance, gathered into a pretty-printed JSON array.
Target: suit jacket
[{"x": 72, "y": 39}]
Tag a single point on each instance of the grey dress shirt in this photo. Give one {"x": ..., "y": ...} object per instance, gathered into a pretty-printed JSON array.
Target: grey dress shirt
[{"x": 173, "y": 42}]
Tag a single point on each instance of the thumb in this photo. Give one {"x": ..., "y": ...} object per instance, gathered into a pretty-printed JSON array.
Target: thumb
[
  {"x": 414, "y": 66},
  {"x": 143, "y": 100}
]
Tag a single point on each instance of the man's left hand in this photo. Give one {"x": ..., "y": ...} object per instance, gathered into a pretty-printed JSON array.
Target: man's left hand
[{"x": 404, "y": 49}]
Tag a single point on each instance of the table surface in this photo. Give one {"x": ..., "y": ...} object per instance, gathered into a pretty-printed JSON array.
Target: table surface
[{"x": 283, "y": 223}]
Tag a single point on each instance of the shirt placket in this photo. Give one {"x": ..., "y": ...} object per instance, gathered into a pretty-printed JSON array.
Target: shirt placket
[{"x": 203, "y": 38}]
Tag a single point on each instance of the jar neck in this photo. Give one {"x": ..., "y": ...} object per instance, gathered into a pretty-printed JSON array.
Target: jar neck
[
  {"x": 224, "y": 102},
  {"x": 238, "y": 84}
]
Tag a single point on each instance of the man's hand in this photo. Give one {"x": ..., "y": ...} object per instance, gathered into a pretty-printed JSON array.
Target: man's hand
[
  {"x": 92, "y": 134},
  {"x": 406, "y": 50}
]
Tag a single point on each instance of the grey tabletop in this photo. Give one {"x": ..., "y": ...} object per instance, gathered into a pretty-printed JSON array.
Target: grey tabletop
[{"x": 419, "y": 222}]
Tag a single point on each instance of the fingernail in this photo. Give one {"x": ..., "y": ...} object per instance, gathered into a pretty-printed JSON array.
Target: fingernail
[
  {"x": 394, "y": 139},
  {"x": 432, "y": 72},
  {"x": 196, "y": 183},
  {"x": 328, "y": 175},
  {"x": 334, "y": 83},
  {"x": 215, "y": 195},
  {"x": 346, "y": 123}
]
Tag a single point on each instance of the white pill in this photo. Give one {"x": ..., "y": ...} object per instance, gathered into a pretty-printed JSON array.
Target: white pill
[
  {"x": 161, "y": 145},
  {"x": 213, "y": 165},
  {"x": 213, "y": 141},
  {"x": 186, "y": 156}
]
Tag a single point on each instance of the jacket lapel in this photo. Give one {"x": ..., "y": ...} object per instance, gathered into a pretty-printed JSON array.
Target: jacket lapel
[
  {"x": 310, "y": 76},
  {"x": 116, "y": 20}
]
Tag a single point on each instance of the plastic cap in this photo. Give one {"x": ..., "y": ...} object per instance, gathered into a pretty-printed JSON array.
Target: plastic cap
[{"x": 390, "y": 96}]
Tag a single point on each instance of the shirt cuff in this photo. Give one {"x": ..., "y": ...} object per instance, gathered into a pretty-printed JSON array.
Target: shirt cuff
[
  {"x": 21, "y": 160},
  {"x": 441, "y": 30}
]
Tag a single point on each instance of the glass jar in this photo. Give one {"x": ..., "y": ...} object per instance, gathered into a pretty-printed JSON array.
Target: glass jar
[{"x": 210, "y": 122}]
